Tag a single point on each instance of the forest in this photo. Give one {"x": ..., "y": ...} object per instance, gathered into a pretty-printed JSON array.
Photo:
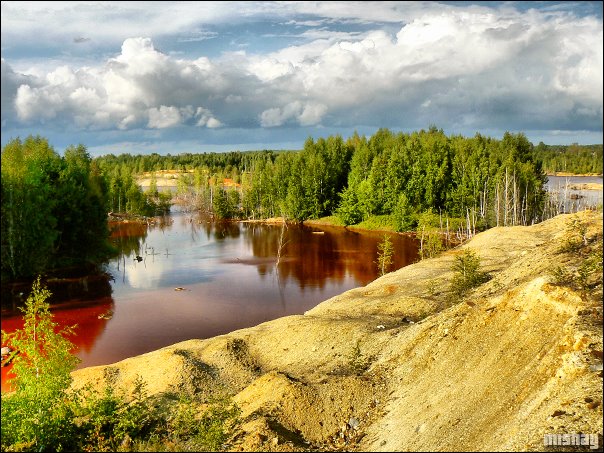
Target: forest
[
  {"x": 397, "y": 175},
  {"x": 575, "y": 159},
  {"x": 54, "y": 208}
]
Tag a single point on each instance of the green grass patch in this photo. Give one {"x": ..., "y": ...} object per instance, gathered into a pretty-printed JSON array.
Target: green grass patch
[
  {"x": 331, "y": 220},
  {"x": 377, "y": 223}
]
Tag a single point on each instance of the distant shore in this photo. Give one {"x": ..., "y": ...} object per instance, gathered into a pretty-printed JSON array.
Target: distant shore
[{"x": 566, "y": 173}]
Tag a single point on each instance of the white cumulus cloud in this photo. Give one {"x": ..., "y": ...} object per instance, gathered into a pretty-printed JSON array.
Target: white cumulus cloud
[{"x": 474, "y": 66}]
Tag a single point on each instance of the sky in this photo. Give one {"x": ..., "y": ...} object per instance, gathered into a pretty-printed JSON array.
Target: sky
[{"x": 175, "y": 77}]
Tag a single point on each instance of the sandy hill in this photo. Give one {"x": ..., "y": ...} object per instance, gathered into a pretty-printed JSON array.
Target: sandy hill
[{"x": 400, "y": 365}]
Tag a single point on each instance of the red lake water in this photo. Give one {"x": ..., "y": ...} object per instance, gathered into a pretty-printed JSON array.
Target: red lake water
[{"x": 198, "y": 279}]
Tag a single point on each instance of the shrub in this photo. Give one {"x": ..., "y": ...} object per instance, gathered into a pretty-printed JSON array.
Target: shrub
[
  {"x": 385, "y": 253},
  {"x": 575, "y": 236},
  {"x": 44, "y": 414},
  {"x": 202, "y": 430},
  {"x": 357, "y": 362},
  {"x": 39, "y": 414},
  {"x": 467, "y": 273}
]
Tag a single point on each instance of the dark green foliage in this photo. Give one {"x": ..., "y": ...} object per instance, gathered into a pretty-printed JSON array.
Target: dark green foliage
[
  {"x": 30, "y": 170},
  {"x": 81, "y": 211},
  {"x": 222, "y": 204},
  {"x": 107, "y": 421},
  {"x": 53, "y": 208},
  {"x": 576, "y": 159},
  {"x": 467, "y": 273}
]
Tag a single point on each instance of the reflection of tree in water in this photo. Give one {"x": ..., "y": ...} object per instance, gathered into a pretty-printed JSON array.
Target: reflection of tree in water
[
  {"x": 311, "y": 259},
  {"x": 219, "y": 230},
  {"x": 226, "y": 230},
  {"x": 315, "y": 259},
  {"x": 128, "y": 238}
]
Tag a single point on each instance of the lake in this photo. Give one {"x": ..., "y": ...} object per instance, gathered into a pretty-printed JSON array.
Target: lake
[
  {"x": 199, "y": 279},
  {"x": 569, "y": 193}
]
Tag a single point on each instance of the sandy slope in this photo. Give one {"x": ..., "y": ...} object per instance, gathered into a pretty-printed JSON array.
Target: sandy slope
[{"x": 399, "y": 366}]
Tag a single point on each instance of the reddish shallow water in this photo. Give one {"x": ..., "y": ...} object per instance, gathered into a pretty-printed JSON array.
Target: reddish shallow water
[{"x": 229, "y": 277}]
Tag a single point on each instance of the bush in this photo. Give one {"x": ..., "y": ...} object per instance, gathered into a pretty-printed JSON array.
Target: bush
[
  {"x": 575, "y": 237},
  {"x": 107, "y": 422},
  {"x": 39, "y": 414},
  {"x": 44, "y": 414},
  {"x": 357, "y": 362},
  {"x": 191, "y": 428},
  {"x": 467, "y": 273}
]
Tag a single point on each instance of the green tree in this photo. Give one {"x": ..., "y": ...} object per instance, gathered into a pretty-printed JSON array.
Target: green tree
[
  {"x": 467, "y": 273},
  {"x": 223, "y": 209},
  {"x": 29, "y": 172},
  {"x": 385, "y": 255},
  {"x": 80, "y": 211},
  {"x": 39, "y": 416}
]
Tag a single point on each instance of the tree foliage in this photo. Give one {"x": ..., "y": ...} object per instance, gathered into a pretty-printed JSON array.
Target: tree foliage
[
  {"x": 53, "y": 208},
  {"x": 494, "y": 182},
  {"x": 574, "y": 159},
  {"x": 38, "y": 416},
  {"x": 385, "y": 255}
]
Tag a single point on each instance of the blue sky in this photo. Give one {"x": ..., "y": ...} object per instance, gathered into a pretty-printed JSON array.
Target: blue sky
[{"x": 173, "y": 77}]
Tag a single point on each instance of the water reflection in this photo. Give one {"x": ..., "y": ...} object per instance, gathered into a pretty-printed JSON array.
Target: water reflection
[
  {"x": 310, "y": 257},
  {"x": 184, "y": 277},
  {"x": 571, "y": 193}
]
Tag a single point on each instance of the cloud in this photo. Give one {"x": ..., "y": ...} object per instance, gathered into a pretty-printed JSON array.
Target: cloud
[
  {"x": 164, "y": 117},
  {"x": 10, "y": 83},
  {"x": 472, "y": 67},
  {"x": 140, "y": 85},
  {"x": 308, "y": 114},
  {"x": 198, "y": 35}
]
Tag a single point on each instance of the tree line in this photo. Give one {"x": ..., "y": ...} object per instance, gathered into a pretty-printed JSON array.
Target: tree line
[
  {"x": 54, "y": 208},
  {"x": 480, "y": 180},
  {"x": 575, "y": 159}
]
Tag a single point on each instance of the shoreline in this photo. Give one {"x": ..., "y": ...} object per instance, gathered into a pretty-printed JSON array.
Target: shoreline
[
  {"x": 422, "y": 361},
  {"x": 566, "y": 173}
]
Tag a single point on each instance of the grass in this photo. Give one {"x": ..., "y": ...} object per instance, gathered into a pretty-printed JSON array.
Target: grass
[
  {"x": 331, "y": 220},
  {"x": 376, "y": 223}
]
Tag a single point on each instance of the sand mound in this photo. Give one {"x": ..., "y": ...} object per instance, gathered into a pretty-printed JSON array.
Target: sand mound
[{"x": 400, "y": 365}]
